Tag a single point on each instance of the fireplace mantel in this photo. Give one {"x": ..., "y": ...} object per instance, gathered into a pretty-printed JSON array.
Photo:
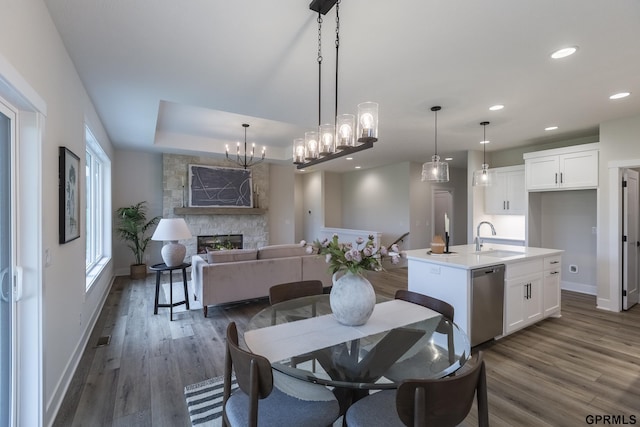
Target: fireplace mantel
[{"x": 219, "y": 211}]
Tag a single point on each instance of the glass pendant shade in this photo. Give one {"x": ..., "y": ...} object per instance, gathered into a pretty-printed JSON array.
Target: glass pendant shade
[
  {"x": 346, "y": 123},
  {"x": 435, "y": 170},
  {"x": 298, "y": 151},
  {"x": 311, "y": 145},
  {"x": 327, "y": 139},
  {"x": 368, "y": 122},
  {"x": 483, "y": 177}
]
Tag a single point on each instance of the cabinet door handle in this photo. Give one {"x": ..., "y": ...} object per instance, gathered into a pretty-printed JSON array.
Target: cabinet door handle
[
  {"x": 504, "y": 205},
  {"x": 561, "y": 178},
  {"x": 555, "y": 272},
  {"x": 556, "y": 177},
  {"x": 554, "y": 262},
  {"x": 508, "y": 205}
]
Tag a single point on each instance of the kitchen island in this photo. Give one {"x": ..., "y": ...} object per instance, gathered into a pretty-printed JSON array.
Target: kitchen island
[{"x": 530, "y": 287}]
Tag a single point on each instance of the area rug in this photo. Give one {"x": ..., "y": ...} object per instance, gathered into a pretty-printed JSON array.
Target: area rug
[
  {"x": 178, "y": 295},
  {"x": 204, "y": 401}
]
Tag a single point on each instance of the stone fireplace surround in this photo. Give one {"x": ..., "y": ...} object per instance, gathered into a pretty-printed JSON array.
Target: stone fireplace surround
[{"x": 254, "y": 228}]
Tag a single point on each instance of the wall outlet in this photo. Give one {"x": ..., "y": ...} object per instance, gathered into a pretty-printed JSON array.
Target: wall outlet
[{"x": 573, "y": 268}]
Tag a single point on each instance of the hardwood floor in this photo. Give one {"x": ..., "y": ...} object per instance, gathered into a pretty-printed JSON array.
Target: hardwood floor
[{"x": 558, "y": 372}]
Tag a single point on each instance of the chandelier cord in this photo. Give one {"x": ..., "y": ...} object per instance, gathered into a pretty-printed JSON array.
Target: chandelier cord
[
  {"x": 484, "y": 143},
  {"x": 319, "y": 69},
  {"x": 435, "y": 131},
  {"x": 337, "y": 51}
]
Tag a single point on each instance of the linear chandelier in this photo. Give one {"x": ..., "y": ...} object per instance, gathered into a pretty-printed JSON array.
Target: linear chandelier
[
  {"x": 332, "y": 140},
  {"x": 241, "y": 159}
]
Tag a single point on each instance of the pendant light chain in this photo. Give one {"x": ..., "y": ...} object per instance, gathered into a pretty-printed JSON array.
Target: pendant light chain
[
  {"x": 435, "y": 131},
  {"x": 335, "y": 116},
  {"x": 319, "y": 68}
]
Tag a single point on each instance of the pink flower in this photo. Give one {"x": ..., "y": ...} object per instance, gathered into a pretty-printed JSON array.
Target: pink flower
[
  {"x": 303, "y": 242},
  {"x": 327, "y": 258},
  {"x": 309, "y": 249},
  {"x": 395, "y": 248},
  {"x": 383, "y": 251},
  {"x": 359, "y": 240}
]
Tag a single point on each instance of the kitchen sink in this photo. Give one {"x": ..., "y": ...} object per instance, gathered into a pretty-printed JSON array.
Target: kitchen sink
[{"x": 500, "y": 253}]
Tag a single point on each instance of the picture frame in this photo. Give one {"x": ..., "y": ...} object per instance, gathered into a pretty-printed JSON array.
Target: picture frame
[
  {"x": 69, "y": 195},
  {"x": 218, "y": 186}
]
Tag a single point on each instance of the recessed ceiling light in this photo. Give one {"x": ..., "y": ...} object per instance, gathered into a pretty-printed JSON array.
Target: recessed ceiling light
[
  {"x": 564, "y": 52},
  {"x": 357, "y": 167},
  {"x": 484, "y": 142},
  {"x": 620, "y": 95},
  {"x": 448, "y": 159},
  {"x": 349, "y": 158},
  {"x": 496, "y": 107},
  {"x": 551, "y": 128}
]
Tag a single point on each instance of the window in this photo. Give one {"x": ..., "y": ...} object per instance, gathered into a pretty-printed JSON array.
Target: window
[{"x": 98, "y": 202}]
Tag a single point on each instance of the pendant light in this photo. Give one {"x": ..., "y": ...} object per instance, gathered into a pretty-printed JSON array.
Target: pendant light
[
  {"x": 435, "y": 170},
  {"x": 483, "y": 177}
]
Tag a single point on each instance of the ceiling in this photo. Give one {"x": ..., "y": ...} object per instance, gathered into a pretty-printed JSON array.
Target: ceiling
[{"x": 182, "y": 77}]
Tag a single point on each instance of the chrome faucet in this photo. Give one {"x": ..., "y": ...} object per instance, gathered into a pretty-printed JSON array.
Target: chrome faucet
[{"x": 477, "y": 240}]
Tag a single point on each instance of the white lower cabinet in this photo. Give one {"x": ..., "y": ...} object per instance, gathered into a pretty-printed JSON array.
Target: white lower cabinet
[
  {"x": 523, "y": 300},
  {"x": 532, "y": 292},
  {"x": 551, "y": 285}
]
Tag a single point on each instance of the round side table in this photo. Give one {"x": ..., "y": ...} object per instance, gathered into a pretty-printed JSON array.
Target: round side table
[{"x": 159, "y": 269}]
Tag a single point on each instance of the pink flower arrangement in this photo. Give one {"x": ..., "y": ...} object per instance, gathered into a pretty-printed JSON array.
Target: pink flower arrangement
[{"x": 365, "y": 256}]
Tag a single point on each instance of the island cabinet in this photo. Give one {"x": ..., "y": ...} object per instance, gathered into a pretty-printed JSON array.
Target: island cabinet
[
  {"x": 568, "y": 168},
  {"x": 506, "y": 195},
  {"x": 523, "y": 294},
  {"x": 531, "y": 281},
  {"x": 551, "y": 284},
  {"x": 532, "y": 292}
]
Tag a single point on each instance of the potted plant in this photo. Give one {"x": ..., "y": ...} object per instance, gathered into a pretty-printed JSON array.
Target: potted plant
[{"x": 133, "y": 228}]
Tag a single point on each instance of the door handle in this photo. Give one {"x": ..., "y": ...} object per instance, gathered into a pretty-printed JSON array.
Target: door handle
[
  {"x": 508, "y": 205},
  {"x": 556, "y": 177},
  {"x": 561, "y": 178},
  {"x": 504, "y": 205},
  {"x": 5, "y": 296}
]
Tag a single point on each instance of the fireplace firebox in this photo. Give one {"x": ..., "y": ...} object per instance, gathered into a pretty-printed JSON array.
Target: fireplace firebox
[{"x": 219, "y": 241}]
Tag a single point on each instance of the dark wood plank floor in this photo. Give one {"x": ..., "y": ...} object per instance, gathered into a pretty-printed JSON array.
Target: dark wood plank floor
[{"x": 555, "y": 373}]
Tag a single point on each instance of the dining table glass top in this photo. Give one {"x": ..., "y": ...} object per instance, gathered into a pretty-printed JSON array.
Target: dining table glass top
[{"x": 302, "y": 339}]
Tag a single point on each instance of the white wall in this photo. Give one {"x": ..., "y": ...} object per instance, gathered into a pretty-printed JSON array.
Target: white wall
[
  {"x": 312, "y": 205},
  {"x": 619, "y": 142},
  {"x": 332, "y": 200},
  {"x": 567, "y": 219},
  {"x": 31, "y": 44},
  {"x": 377, "y": 199},
  {"x": 137, "y": 177},
  {"x": 282, "y": 216}
]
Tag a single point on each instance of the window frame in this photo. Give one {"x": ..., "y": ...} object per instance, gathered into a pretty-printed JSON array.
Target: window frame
[{"x": 97, "y": 203}]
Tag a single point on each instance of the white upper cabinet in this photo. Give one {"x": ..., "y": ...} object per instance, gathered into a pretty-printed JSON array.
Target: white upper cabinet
[
  {"x": 567, "y": 168},
  {"x": 506, "y": 195}
]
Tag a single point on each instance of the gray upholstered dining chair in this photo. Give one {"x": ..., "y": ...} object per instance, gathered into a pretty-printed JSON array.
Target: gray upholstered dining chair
[
  {"x": 440, "y": 402},
  {"x": 257, "y": 400}
]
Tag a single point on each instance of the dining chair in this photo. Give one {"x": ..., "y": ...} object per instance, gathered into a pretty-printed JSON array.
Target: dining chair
[
  {"x": 258, "y": 400},
  {"x": 427, "y": 402},
  {"x": 438, "y": 305},
  {"x": 292, "y": 290}
]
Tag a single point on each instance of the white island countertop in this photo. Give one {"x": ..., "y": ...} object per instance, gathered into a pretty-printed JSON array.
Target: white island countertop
[{"x": 466, "y": 257}]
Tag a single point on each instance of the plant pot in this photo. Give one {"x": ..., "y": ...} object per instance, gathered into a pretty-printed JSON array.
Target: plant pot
[
  {"x": 138, "y": 271},
  {"x": 352, "y": 299}
]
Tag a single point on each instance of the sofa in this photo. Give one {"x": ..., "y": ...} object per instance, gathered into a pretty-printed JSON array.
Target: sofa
[{"x": 227, "y": 276}]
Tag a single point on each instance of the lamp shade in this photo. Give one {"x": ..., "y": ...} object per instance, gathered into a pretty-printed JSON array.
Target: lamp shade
[{"x": 172, "y": 230}]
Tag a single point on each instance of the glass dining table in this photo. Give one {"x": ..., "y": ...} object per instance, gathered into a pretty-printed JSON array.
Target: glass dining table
[{"x": 302, "y": 339}]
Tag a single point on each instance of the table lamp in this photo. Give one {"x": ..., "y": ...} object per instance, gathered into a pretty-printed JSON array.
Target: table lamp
[{"x": 171, "y": 230}]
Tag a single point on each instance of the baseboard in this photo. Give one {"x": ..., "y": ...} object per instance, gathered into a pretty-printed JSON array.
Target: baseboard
[{"x": 579, "y": 287}]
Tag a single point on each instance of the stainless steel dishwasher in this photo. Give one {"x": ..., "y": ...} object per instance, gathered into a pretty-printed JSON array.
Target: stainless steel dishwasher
[{"x": 487, "y": 302}]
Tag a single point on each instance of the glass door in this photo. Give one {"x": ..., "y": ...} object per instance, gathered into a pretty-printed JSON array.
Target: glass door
[{"x": 7, "y": 311}]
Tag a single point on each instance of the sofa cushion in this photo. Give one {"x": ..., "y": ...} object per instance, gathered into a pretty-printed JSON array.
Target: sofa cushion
[
  {"x": 281, "y": 251},
  {"x": 231, "y": 255}
]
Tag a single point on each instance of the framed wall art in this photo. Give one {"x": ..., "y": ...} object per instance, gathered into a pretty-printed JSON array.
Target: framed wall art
[
  {"x": 69, "y": 195},
  {"x": 213, "y": 186}
]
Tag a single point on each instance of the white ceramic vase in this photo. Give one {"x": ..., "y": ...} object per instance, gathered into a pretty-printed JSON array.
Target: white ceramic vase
[{"x": 352, "y": 298}]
